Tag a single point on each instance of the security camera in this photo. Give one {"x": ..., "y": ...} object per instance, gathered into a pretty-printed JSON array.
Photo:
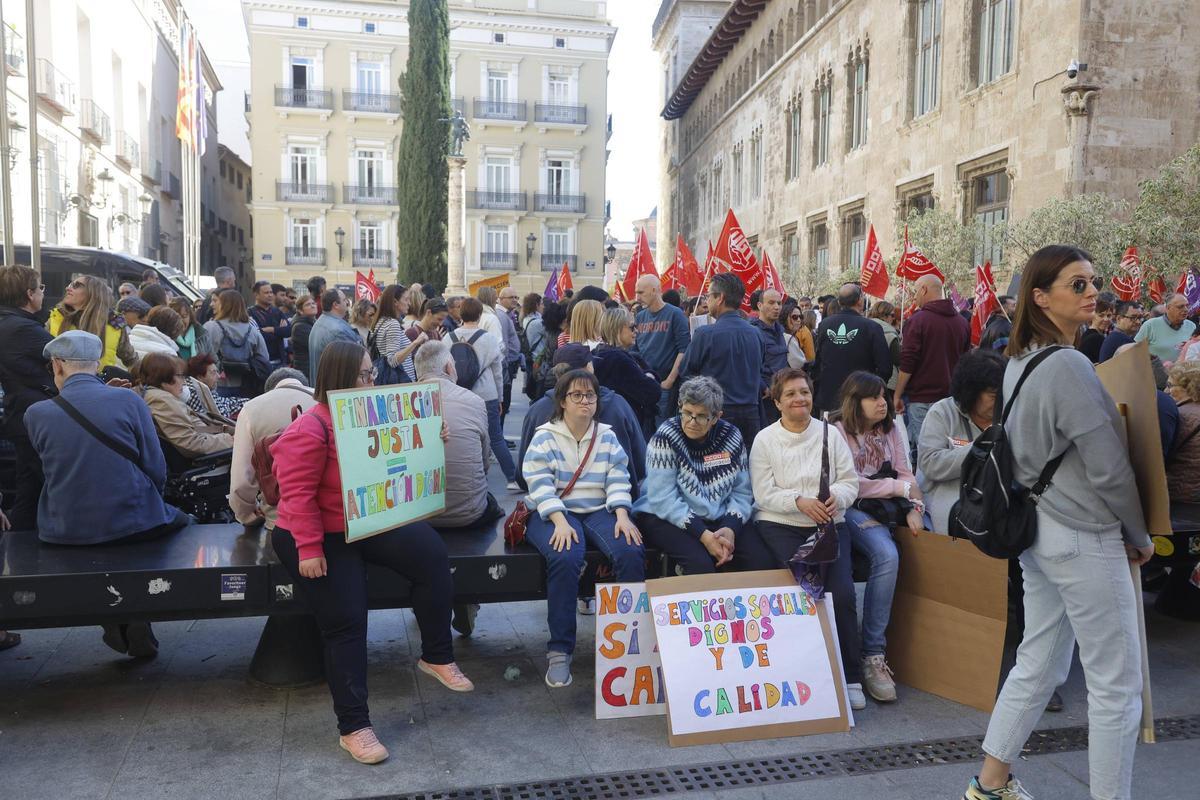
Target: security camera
[{"x": 1074, "y": 68}]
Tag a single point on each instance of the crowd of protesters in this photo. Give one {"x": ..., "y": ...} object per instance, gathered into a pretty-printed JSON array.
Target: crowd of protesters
[{"x": 727, "y": 439}]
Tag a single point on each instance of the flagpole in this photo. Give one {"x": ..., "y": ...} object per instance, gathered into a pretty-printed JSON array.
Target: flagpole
[
  {"x": 35, "y": 241},
  {"x": 10, "y": 257}
]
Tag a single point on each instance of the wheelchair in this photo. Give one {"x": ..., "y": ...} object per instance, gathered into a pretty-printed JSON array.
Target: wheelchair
[{"x": 198, "y": 486}]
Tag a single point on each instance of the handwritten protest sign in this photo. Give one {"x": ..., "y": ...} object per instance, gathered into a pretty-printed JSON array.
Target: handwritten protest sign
[
  {"x": 628, "y": 669},
  {"x": 746, "y": 656},
  {"x": 390, "y": 455}
]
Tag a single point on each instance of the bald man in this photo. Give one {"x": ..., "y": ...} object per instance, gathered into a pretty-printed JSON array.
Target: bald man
[
  {"x": 662, "y": 339},
  {"x": 934, "y": 339}
]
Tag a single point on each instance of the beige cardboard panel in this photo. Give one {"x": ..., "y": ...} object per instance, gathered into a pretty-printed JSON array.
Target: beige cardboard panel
[{"x": 949, "y": 571}]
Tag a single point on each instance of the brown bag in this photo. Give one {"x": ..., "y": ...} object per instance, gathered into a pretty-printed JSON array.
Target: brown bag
[{"x": 514, "y": 524}]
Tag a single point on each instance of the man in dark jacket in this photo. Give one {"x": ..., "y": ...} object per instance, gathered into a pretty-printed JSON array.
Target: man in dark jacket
[
  {"x": 774, "y": 349},
  {"x": 934, "y": 339},
  {"x": 847, "y": 342},
  {"x": 729, "y": 351},
  {"x": 25, "y": 378}
]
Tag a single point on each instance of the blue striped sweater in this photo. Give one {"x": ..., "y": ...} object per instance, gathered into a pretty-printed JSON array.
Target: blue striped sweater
[
  {"x": 554, "y": 455},
  {"x": 688, "y": 482}
]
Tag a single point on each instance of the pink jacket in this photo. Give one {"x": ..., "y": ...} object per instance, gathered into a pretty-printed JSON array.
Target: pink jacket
[
  {"x": 310, "y": 486},
  {"x": 870, "y": 451}
]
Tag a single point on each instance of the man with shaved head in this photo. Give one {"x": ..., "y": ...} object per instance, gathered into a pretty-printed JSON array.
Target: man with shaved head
[
  {"x": 934, "y": 339},
  {"x": 662, "y": 339}
]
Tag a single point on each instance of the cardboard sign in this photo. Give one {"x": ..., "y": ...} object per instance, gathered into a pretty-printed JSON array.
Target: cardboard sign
[
  {"x": 497, "y": 282},
  {"x": 746, "y": 656},
  {"x": 949, "y": 616},
  {"x": 628, "y": 670},
  {"x": 390, "y": 455}
]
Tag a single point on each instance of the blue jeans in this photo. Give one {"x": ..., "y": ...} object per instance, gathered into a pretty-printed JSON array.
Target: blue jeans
[
  {"x": 875, "y": 541},
  {"x": 563, "y": 569},
  {"x": 496, "y": 439},
  {"x": 914, "y": 418}
]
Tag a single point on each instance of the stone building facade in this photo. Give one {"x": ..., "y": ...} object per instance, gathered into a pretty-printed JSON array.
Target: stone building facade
[{"x": 815, "y": 119}]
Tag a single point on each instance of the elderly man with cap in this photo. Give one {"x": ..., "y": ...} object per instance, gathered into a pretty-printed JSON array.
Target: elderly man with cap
[
  {"x": 103, "y": 466},
  {"x": 134, "y": 309}
]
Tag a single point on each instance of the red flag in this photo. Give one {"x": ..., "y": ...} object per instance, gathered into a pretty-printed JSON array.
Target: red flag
[
  {"x": 687, "y": 271},
  {"x": 564, "y": 280},
  {"x": 1158, "y": 289},
  {"x": 365, "y": 288},
  {"x": 771, "y": 279},
  {"x": 708, "y": 269},
  {"x": 734, "y": 254},
  {"x": 641, "y": 264},
  {"x": 985, "y": 300},
  {"x": 913, "y": 264},
  {"x": 874, "y": 277},
  {"x": 1128, "y": 281},
  {"x": 1181, "y": 287}
]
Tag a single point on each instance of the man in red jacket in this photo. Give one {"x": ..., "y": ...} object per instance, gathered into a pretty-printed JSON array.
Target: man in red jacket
[{"x": 933, "y": 340}]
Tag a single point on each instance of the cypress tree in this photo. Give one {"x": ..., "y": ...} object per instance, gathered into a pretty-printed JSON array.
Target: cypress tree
[{"x": 423, "y": 173}]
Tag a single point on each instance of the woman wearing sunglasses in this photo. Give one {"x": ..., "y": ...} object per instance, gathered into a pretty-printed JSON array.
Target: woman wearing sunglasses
[
  {"x": 573, "y": 450},
  {"x": 88, "y": 306},
  {"x": 1089, "y": 526}
]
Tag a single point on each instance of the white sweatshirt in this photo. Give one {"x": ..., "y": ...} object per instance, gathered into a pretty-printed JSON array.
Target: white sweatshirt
[{"x": 786, "y": 465}]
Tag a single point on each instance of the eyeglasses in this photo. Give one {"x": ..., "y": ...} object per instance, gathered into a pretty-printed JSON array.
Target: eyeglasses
[
  {"x": 1078, "y": 285},
  {"x": 77, "y": 285},
  {"x": 702, "y": 419},
  {"x": 796, "y": 316},
  {"x": 368, "y": 374},
  {"x": 583, "y": 398}
]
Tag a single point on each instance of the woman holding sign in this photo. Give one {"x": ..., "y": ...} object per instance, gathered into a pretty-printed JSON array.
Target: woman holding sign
[
  {"x": 578, "y": 478},
  {"x": 331, "y": 574},
  {"x": 785, "y": 471}
]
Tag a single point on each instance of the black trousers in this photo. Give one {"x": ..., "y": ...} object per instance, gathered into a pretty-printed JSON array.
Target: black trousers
[
  {"x": 749, "y": 552},
  {"x": 339, "y": 602},
  {"x": 746, "y": 418},
  {"x": 180, "y": 520},
  {"x": 783, "y": 541},
  {"x": 510, "y": 374},
  {"x": 29, "y": 479}
]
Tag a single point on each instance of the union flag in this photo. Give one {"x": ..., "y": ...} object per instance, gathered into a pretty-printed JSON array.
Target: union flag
[
  {"x": 874, "y": 278},
  {"x": 985, "y": 300},
  {"x": 1128, "y": 281},
  {"x": 734, "y": 254},
  {"x": 641, "y": 264},
  {"x": 913, "y": 264}
]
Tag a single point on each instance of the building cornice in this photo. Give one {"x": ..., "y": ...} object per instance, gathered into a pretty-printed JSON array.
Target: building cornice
[{"x": 727, "y": 33}]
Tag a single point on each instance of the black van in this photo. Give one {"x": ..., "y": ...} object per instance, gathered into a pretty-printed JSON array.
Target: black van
[{"x": 61, "y": 265}]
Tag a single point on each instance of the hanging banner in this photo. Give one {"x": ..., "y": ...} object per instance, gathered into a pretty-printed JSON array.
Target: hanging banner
[
  {"x": 497, "y": 283},
  {"x": 746, "y": 656},
  {"x": 628, "y": 670},
  {"x": 390, "y": 455}
]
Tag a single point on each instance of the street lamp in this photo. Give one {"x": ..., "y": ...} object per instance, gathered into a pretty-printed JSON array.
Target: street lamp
[
  {"x": 144, "y": 203},
  {"x": 530, "y": 241},
  {"x": 339, "y": 236},
  {"x": 611, "y": 251}
]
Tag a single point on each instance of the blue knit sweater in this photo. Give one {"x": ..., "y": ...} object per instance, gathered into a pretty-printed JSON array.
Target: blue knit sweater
[{"x": 688, "y": 482}]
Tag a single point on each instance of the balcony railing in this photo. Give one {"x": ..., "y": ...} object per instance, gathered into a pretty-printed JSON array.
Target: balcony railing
[
  {"x": 304, "y": 192},
  {"x": 483, "y": 198},
  {"x": 170, "y": 186},
  {"x": 127, "y": 149},
  {"x": 369, "y": 195},
  {"x": 567, "y": 115},
  {"x": 497, "y": 260},
  {"x": 372, "y": 257},
  {"x": 14, "y": 53},
  {"x": 371, "y": 102},
  {"x": 552, "y": 260},
  {"x": 566, "y": 203},
  {"x": 298, "y": 97},
  {"x": 304, "y": 255},
  {"x": 54, "y": 87},
  {"x": 94, "y": 121},
  {"x": 514, "y": 111}
]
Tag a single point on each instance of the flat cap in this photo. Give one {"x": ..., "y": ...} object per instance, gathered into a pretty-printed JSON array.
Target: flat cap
[
  {"x": 74, "y": 346},
  {"x": 576, "y": 355},
  {"x": 133, "y": 303}
]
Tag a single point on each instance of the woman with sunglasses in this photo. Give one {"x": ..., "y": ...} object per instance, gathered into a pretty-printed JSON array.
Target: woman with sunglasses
[
  {"x": 800, "y": 325},
  {"x": 331, "y": 573},
  {"x": 1089, "y": 527},
  {"x": 573, "y": 449},
  {"x": 88, "y": 306}
]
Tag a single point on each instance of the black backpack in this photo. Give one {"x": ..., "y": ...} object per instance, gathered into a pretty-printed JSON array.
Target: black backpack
[
  {"x": 466, "y": 360},
  {"x": 994, "y": 511}
]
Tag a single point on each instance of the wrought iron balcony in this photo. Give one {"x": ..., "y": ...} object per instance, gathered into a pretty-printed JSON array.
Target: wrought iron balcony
[
  {"x": 371, "y": 102},
  {"x": 127, "y": 149},
  {"x": 303, "y": 97},
  {"x": 170, "y": 186},
  {"x": 566, "y": 115},
  {"x": 304, "y": 255},
  {"x": 513, "y": 111},
  {"x": 304, "y": 192},
  {"x": 551, "y": 261},
  {"x": 14, "y": 52},
  {"x": 94, "y": 121},
  {"x": 54, "y": 87},
  {"x": 565, "y": 203},
  {"x": 484, "y": 198},
  {"x": 497, "y": 260},
  {"x": 369, "y": 195},
  {"x": 372, "y": 257}
]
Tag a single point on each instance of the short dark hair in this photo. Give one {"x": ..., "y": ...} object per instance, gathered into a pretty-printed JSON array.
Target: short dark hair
[
  {"x": 166, "y": 320},
  {"x": 1123, "y": 306},
  {"x": 154, "y": 294},
  {"x": 977, "y": 371},
  {"x": 470, "y": 310},
  {"x": 15, "y": 284},
  {"x": 755, "y": 297},
  {"x": 729, "y": 288},
  {"x": 782, "y": 378},
  {"x": 1005, "y": 298},
  {"x": 858, "y": 386},
  {"x": 590, "y": 292},
  {"x": 198, "y": 365},
  {"x": 156, "y": 369},
  {"x": 149, "y": 274},
  {"x": 1103, "y": 305},
  {"x": 315, "y": 285},
  {"x": 258, "y": 285},
  {"x": 428, "y": 290},
  {"x": 553, "y": 316},
  {"x": 849, "y": 295},
  {"x": 278, "y": 287},
  {"x": 563, "y": 386},
  {"x": 671, "y": 297},
  {"x": 338, "y": 368},
  {"x": 329, "y": 298}
]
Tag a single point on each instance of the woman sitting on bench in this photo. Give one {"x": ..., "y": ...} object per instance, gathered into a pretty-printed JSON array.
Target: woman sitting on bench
[
  {"x": 164, "y": 379},
  {"x": 331, "y": 573}
]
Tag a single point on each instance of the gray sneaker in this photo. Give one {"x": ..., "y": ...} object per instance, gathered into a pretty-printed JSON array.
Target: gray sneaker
[
  {"x": 558, "y": 671},
  {"x": 858, "y": 700},
  {"x": 877, "y": 679}
]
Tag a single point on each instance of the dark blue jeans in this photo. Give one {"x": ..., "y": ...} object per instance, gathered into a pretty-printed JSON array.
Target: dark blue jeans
[
  {"x": 563, "y": 569},
  {"x": 496, "y": 439}
]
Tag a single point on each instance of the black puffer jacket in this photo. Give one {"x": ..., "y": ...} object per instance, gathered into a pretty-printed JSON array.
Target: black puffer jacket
[{"x": 24, "y": 374}]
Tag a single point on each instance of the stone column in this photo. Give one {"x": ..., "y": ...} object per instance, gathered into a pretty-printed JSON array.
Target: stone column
[{"x": 456, "y": 275}]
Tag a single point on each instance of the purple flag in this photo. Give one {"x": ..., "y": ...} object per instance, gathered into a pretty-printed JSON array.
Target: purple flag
[
  {"x": 551, "y": 290},
  {"x": 960, "y": 303},
  {"x": 1191, "y": 290}
]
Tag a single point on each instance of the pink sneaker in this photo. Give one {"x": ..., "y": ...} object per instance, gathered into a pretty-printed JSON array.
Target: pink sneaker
[
  {"x": 363, "y": 747},
  {"x": 449, "y": 675}
]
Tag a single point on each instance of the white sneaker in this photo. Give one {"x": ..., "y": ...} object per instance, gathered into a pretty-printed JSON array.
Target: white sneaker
[
  {"x": 858, "y": 700},
  {"x": 587, "y": 606},
  {"x": 513, "y": 486}
]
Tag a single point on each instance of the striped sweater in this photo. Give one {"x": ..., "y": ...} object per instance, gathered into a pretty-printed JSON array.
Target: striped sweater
[
  {"x": 554, "y": 455},
  {"x": 688, "y": 482}
]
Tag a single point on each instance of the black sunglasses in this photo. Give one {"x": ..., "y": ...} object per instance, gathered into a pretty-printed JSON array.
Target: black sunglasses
[{"x": 1078, "y": 285}]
